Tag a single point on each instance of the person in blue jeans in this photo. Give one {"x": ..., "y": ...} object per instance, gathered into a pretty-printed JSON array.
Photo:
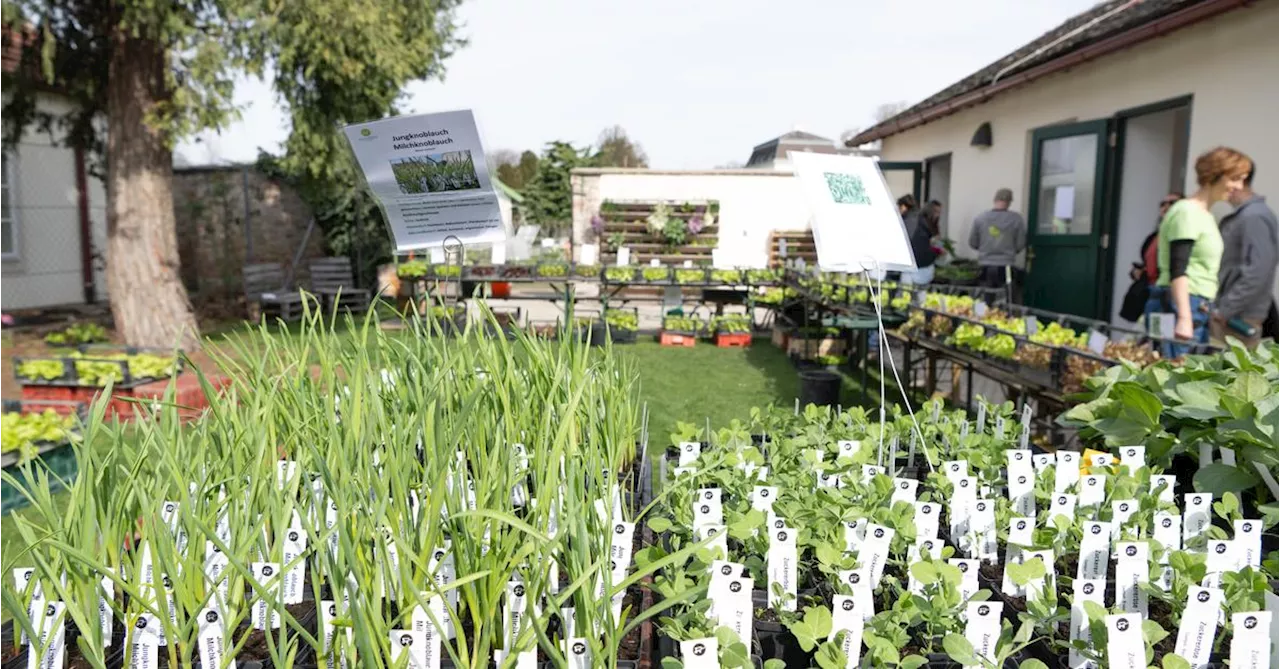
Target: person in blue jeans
[{"x": 1190, "y": 250}]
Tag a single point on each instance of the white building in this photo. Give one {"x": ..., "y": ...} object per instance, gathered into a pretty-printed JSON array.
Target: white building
[
  {"x": 1091, "y": 124},
  {"x": 54, "y": 218}
]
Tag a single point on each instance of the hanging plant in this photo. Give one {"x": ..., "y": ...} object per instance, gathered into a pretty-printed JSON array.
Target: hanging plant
[{"x": 657, "y": 220}]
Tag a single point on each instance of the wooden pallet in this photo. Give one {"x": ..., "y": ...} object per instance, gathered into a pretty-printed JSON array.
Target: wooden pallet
[{"x": 800, "y": 244}]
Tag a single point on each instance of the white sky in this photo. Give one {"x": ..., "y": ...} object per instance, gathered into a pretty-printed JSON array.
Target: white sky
[{"x": 697, "y": 83}]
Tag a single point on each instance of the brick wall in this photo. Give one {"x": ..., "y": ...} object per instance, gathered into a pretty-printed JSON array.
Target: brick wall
[{"x": 209, "y": 204}]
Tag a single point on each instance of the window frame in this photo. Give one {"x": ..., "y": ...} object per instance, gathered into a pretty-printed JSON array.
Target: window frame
[{"x": 11, "y": 207}]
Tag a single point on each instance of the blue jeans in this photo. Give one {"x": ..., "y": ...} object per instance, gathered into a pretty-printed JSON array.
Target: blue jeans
[{"x": 1200, "y": 308}]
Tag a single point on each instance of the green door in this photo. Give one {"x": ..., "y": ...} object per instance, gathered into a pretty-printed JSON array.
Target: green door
[{"x": 1064, "y": 217}]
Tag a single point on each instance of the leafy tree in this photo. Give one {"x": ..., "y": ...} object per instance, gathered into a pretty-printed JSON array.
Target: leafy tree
[
  {"x": 160, "y": 71},
  {"x": 618, "y": 150},
  {"x": 515, "y": 171},
  {"x": 548, "y": 197}
]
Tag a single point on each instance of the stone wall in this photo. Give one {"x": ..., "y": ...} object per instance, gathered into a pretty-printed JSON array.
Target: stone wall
[{"x": 216, "y": 228}]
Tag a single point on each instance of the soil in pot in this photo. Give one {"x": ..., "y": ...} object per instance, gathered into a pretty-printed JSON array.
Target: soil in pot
[{"x": 257, "y": 647}]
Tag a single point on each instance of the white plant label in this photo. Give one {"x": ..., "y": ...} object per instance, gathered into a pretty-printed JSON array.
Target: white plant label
[
  {"x": 860, "y": 585},
  {"x": 263, "y": 616},
  {"x": 1022, "y": 492},
  {"x": 845, "y": 617},
  {"x": 1042, "y": 462},
  {"x": 1035, "y": 588},
  {"x": 421, "y": 621},
  {"x": 579, "y": 654},
  {"x": 719, "y": 543},
  {"x": 932, "y": 548},
  {"x": 904, "y": 490},
  {"x": 1067, "y": 473},
  {"x": 1083, "y": 590},
  {"x": 968, "y": 576},
  {"x": 329, "y": 612},
  {"x": 980, "y": 424},
  {"x": 1101, "y": 460},
  {"x": 998, "y": 432},
  {"x": 963, "y": 498},
  {"x": 517, "y": 605},
  {"x": 1121, "y": 511},
  {"x": 926, "y": 519},
  {"x": 286, "y": 470},
  {"x": 700, "y": 653},
  {"x": 1168, "y": 533},
  {"x": 1248, "y": 542},
  {"x": 1199, "y": 625},
  {"x": 1093, "y": 489},
  {"x": 212, "y": 640},
  {"x": 731, "y": 606},
  {"x": 147, "y": 638},
  {"x": 1020, "y": 530},
  {"x": 1133, "y": 567},
  {"x": 782, "y": 566},
  {"x": 1165, "y": 484},
  {"x": 1220, "y": 556},
  {"x": 1097, "y": 342},
  {"x": 870, "y": 472},
  {"x": 1064, "y": 504},
  {"x": 442, "y": 566},
  {"x": 982, "y": 627},
  {"x": 982, "y": 531},
  {"x": 689, "y": 452},
  {"x": 854, "y": 534},
  {"x": 848, "y": 448},
  {"x": 295, "y": 546},
  {"x": 707, "y": 508},
  {"x": 1019, "y": 460},
  {"x": 1133, "y": 457},
  {"x": 1195, "y": 515},
  {"x": 829, "y": 480},
  {"x": 955, "y": 470},
  {"x": 22, "y": 579},
  {"x": 762, "y": 498},
  {"x": 215, "y": 567},
  {"x": 106, "y": 617},
  {"x": 875, "y": 551},
  {"x": 1250, "y": 645},
  {"x": 964, "y": 430},
  {"x": 1025, "y": 418},
  {"x": 53, "y": 638},
  {"x": 1095, "y": 550},
  {"x": 410, "y": 646},
  {"x": 1125, "y": 647}
]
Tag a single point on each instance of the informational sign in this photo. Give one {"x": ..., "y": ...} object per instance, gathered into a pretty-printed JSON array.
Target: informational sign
[
  {"x": 856, "y": 224},
  {"x": 428, "y": 174}
]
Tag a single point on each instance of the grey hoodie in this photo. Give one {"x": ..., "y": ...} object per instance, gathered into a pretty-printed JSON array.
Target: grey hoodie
[
  {"x": 998, "y": 235},
  {"x": 1249, "y": 256}
]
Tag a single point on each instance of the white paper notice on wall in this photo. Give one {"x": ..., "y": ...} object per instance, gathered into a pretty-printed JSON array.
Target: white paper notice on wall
[
  {"x": 429, "y": 176},
  {"x": 1064, "y": 202},
  {"x": 588, "y": 254},
  {"x": 856, "y": 224}
]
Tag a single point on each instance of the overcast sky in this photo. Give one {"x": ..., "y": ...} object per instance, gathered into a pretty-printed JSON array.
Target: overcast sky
[{"x": 696, "y": 83}]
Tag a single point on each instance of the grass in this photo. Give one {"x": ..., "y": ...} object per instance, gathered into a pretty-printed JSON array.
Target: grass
[{"x": 678, "y": 384}]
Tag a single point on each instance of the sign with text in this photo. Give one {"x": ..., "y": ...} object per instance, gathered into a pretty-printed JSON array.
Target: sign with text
[
  {"x": 429, "y": 176},
  {"x": 856, "y": 224}
]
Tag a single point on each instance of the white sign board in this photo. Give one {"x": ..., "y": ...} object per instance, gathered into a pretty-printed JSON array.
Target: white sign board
[
  {"x": 428, "y": 174},
  {"x": 856, "y": 224}
]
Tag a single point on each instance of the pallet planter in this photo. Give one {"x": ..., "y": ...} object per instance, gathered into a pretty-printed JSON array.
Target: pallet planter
[
  {"x": 732, "y": 330},
  {"x": 38, "y": 436}
]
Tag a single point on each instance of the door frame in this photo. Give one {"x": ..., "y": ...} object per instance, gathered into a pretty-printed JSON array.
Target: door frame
[
  {"x": 917, "y": 172},
  {"x": 1100, "y": 128},
  {"x": 1115, "y": 174}
]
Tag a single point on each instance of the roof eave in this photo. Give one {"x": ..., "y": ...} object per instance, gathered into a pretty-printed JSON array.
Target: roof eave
[{"x": 1159, "y": 27}]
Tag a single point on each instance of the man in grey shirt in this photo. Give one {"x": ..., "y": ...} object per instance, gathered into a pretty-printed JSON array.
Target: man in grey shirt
[
  {"x": 1248, "y": 269},
  {"x": 998, "y": 235}
]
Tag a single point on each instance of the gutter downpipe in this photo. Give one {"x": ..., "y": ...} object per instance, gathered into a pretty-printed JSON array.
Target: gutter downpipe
[{"x": 1172, "y": 22}]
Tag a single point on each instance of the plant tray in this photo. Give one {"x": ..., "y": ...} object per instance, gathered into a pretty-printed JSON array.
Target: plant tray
[
  {"x": 684, "y": 339},
  {"x": 733, "y": 339}
]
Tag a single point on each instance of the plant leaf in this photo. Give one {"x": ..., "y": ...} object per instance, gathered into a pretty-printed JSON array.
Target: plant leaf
[
  {"x": 1219, "y": 479},
  {"x": 959, "y": 649}
]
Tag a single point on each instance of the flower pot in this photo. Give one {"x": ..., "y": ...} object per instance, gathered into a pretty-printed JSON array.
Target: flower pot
[{"x": 819, "y": 386}]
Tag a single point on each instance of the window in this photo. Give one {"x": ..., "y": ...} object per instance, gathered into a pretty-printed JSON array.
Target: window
[{"x": 8, "y": 209}]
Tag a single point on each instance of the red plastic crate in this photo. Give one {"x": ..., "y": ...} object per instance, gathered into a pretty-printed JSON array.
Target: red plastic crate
[
  {"x": 55, "y": 393},
  {"x": 733, "y": 340},
  {"x": 674, "y": 339}
]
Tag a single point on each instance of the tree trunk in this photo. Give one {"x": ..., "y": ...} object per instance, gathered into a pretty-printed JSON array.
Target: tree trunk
[{"x": 148, "y": 301}]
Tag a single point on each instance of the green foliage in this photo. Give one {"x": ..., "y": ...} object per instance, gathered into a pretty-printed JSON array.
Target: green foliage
[
  {"x": 731, "y": 323},
  {"x": 619, "y": 274},
  {"x": 690, "y": 275},
  {"x": 40, "y": 369},
  {"x": 78, "y": 333},
  {"x": 517, "y": 175},
  {"x": 624, "y": 320},
  {"x": 24, "y": 433},
  {"x": 552, "y": 270},
  {"x": 618, "y": 150},
  {"x": 656, "y": 273},
  {"x": 548, "y": 198},
  {"x": 414, "y": 269},
  {"x": 684, "y": 324}
]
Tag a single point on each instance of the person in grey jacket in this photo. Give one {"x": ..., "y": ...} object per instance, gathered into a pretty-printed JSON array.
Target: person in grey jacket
[
  {"x": 1248, "y": 271},
  {"x": 998, "y": 235}
]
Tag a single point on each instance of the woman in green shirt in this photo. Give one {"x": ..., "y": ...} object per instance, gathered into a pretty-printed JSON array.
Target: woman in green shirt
[{"x": 1190, "y": 249}]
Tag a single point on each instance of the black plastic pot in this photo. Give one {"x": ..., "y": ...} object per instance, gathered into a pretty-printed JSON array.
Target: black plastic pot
[{"x": 819, "y": 386}]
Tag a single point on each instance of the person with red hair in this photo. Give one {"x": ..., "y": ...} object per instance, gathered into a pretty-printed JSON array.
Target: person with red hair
[{"x": 1190, "y": 248}]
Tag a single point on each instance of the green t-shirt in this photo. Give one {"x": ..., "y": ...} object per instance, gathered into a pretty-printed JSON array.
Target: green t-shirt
[{"x": 1187, "y": 221}]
